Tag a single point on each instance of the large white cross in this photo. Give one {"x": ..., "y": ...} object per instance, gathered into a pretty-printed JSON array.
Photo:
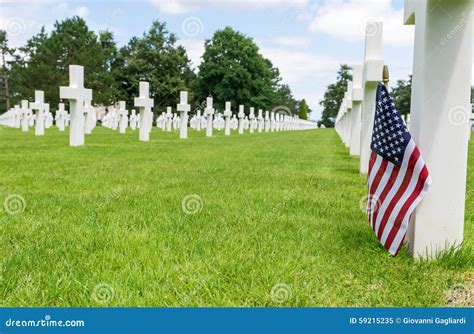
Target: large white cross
[
  {"x": 40, "y": 106},
  {"x": 76, "y": 94},
  {"x": 227, "y": 115},
  {"x": 252, "y": 117},
  {"x": 209, "y": 112},
  {"x": 144, "y": 104},
  {"x": 371, "y": 76},
  {"x": 123, "y": 114},
  {"x": 183, "y": 107},
  {"x": 440, "y": 107}
]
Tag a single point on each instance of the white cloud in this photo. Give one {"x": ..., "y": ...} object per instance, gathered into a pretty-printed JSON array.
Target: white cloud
[
  {"x": 186, "y": 6},
  {"x": 346, "y": 20},
  {"x": 290, "y": 41},
  {"x": 24, "y": 19},
  {"x": 194, "y": 48},
  {"x": 307, "y": 73},
  {"x": 81, "y": 11}
]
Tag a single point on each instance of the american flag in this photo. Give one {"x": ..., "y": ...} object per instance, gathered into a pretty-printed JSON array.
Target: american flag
[{"x": 398, "y": 178}]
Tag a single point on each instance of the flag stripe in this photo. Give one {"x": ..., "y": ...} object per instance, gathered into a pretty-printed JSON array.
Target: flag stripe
[
  {"x": 383, "y": 190},
  {"x": 377, "y": 194},
  {"x": 409, "y": 206},
  {"x": 397, "y": 191},
  {"x": 410, "y": 182}
]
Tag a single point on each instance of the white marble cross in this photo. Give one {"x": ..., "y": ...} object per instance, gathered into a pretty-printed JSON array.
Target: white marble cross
[
  {"x": 371, "y": 76},
  {"x": 17, "y": 116},
  {"x": 272, "y": 121},
  {"x": 348, "y": 127},
  {"x": 76, "y": 94},
  {"x": 261, "y": 122},
  {"x": 267, "y": 121},
  {"x": 40, "y": 107},
  {"x": 169, "y": 119},
  {"x": 198, "y": 120},
  {"x": 48, "y": 117},
  {"x": 227, "y": 115},
  {"x": 440, "y": 108},
  {"x": 209, "y": 110},
  {"x": 184, "y": 108},
  {"x": 90, "y": 119},
  {"x": 32, "y": 119},
  {"x": 25, "y": 115},
  {"x": 144, "y": 104},
  {"x": 241, "y": 116},
  {"x": 252, "y": 117},
  {"x": 357, "y": 97},
  {"x": 163, "y": 121},
  {"x": 133, "y": 119},
  {"x": 123, "y": 114},
  {"x": 61, "y": 117}
]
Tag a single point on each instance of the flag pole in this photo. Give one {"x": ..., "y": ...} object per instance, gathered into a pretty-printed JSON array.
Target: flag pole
[{"x": 385, "y": 76}]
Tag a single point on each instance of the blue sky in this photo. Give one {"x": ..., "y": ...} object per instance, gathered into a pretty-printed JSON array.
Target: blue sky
[{"x": 306, "y": 40}]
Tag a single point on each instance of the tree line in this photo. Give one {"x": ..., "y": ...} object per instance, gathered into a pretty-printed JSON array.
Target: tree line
[{"x": 232, "y": 68}]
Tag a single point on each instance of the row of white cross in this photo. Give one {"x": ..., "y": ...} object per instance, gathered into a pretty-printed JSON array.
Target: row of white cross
[
  {"x": 120, "y": 119},
  {"x": 21, "y": 116},
  {"x": 440, "y": 114},
  {"x": 83, "y": 116}
]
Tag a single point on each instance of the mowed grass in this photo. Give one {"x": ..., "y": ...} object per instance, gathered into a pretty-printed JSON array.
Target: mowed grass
[{"x": 280, "y": 224}]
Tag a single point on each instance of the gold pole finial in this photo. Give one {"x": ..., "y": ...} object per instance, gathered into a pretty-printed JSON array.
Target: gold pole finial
[{"x": 385, "y": 76}]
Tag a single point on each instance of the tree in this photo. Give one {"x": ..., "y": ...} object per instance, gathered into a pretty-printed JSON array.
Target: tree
[
  {"x": 44, "y": 61},
  {"x": 5, "y": 53},
  {"x": 155, "y": 58},
  {"x": 303, "y": 110},
  {"x": 232, "y": 69},
  {"x": 334, "y": 95},
  {"x": 401, "y": 95}
]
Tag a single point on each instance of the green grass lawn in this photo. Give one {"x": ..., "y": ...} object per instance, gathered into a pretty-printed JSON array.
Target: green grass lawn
[{"x": 280, "y": 224}]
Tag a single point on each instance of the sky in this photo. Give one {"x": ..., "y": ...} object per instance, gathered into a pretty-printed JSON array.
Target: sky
[{"x": 306, "y": 39}]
